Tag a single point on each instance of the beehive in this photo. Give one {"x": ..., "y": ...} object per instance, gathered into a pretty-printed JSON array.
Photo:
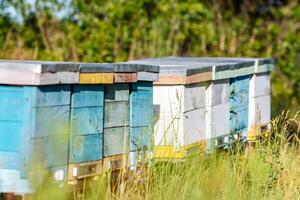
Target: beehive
[
  {"x": 128, "y": 110},
  {"x": 56, "y": 118},
  {"x": 34, "y": 120},
  {"x": 203, "y": 103}
]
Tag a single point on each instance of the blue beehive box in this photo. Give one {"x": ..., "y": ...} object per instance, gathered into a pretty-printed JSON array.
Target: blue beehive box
[{"x": 51, "y": 119}]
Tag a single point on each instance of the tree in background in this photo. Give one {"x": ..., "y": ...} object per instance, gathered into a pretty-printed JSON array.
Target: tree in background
[{"x": 118, "y": 30}]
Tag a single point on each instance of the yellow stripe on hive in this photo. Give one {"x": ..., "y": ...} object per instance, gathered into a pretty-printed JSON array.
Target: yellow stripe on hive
[
  {"x": 168, "y": 151},
  {"x": 95, "y": 78}
]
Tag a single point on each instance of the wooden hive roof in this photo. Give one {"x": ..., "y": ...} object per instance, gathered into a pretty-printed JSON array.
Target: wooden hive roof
[
  {"x": 24, "y": 72},
  {"x": 186, "y": 70}
]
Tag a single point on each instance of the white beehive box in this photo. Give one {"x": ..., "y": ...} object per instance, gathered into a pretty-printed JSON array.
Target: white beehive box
[{"x": 202, "y": 102}]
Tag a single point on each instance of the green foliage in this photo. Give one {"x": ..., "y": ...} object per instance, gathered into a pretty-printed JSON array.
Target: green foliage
[{"x": 118, "y": 30}]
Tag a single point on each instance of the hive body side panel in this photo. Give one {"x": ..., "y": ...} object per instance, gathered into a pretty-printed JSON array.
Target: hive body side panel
[
  {"x": 115, "y": 141},
  {"x": 239, "y": 104},
  {"x": 194, "y": 126},
  {"x": 217, "y": 112},
  {"x": 141, "y": 116},
  {"x": 194, "y": 97},
  {"x": 86, "y": 132},
  {"x": 169, "y": 104},
  {"x": 116, "y": 119},
  {"x": 12, "y": 107},
  {"x": 259, "y": 110}
]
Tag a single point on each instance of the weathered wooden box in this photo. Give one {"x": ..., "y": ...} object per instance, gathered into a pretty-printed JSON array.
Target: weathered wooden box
[
  {"x": 62, "y": 119},
  {"x": 201, "y": 103},
  {"x": 128, "y": 109},
  {"x": 34, "y": 121}
]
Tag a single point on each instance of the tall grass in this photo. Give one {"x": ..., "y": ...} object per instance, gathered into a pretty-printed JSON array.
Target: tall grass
[{"x": 271, "y": 170}]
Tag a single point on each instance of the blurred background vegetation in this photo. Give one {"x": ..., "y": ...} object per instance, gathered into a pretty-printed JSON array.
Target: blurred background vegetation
[{"x": 119, "y": 30}]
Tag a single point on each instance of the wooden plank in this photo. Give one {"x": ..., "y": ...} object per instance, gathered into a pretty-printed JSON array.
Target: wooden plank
[
  {"x": 85, "y": 148},
  {"x": 194, "y": 96},
  {"x": 239, "y": 103},
  {"x": 194, "y": 126},
  {"x": 198, "y": 78},
  {"x": 37, "y": 73},
  {"x": 259, "y": 110},
  {"x": 86, "y": 120},
  {"x": 168, "y": 152},
  {"x": 141, "y": 96},
  {"x": 94, "y": 78},
  {"x": 260, "y": 85},
  {"x": 51, "y": 95},
  {"x": 169, "y": 131},
  {"x": 218, "y": 92},
  {"x": 58, "y": 78},
  {"x": 264, "y": 68},
  {"x": 170, "y": 98},
  {"x": 11, "y": 103},
  {"x": 125, "y": 77},
  {"x": 163, "y": 152},
  {"x": 116, "y": 114},
  {"x": 217, "y": 123},
  {"x": 233, "y": 73},
  {"x": 116, "y": 92},
  {"x": 116, "y": 141},
  {"x": 147, "y": 76},
  {"x": 142, "y": 85},
  {"x": 141, "y": 114},
  {"x": 170, "y": 80},
  {"x": 87, "y": 96}
]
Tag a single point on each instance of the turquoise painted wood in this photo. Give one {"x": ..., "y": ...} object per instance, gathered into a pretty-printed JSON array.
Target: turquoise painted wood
[
  {"x": 86, "y": 131},
  {"x": 34, "y": 119},
  {"x": 87, "y": 96},
  {"x": 86, "y": 120},
  {"x": 141, "y": 115},
  {"x": 239, "y": 103},
  {"x": 143, "y": 85},
  {"x": 86, "y": 148},
  {"x": 51, "y": 95}
]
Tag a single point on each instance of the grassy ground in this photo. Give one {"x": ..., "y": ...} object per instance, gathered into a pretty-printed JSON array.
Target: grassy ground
[{"x": 271, "y": 170}]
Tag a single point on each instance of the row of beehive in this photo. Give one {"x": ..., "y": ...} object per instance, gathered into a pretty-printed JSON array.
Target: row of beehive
[
  {"x": 96, "y": 111},
  {"x": 206, "y": 103},
  {"x": 59, "y": 118}
]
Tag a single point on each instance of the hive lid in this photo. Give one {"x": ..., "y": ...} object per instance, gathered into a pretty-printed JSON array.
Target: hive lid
[
  {"x": 179, "y": 69},
  {"x": 23, "y": 72},
  {"x": 117, "y": 67},
  {"x": 38, "y": 66}
]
